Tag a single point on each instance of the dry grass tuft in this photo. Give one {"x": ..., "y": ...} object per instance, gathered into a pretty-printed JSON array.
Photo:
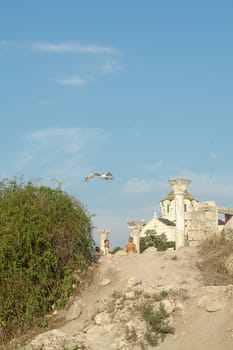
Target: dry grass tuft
[{"x": 213, "y": 253}]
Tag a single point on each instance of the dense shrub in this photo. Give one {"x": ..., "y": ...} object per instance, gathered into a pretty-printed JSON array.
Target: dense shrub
[
  {"x": 152, "y": 239},
  {"x": 45, "y": 235}
]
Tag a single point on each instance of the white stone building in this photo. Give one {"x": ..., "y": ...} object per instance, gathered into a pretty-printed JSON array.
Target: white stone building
[
  {"x": 166, "y": 223},
  {"x": 183, "y": 219},
  {"x": 160, "y": 225},
  {"x": 168, "y": 208}
]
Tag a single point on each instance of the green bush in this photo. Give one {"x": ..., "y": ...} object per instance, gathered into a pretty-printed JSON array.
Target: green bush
[
  {"x": 116, "y": 249},
  {"x": 45, "y": 235},
  {"x": 157, "y": 322},
  {"x": 152, "y": 239}
]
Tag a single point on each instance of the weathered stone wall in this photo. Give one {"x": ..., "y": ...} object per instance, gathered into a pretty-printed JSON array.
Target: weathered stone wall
[
  {"x": 229, "y": 221},
  {"x": 202, "y": 222}
]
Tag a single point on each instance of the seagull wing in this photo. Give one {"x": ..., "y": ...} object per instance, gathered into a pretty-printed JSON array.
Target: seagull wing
[{"x": 90, "y": 176}]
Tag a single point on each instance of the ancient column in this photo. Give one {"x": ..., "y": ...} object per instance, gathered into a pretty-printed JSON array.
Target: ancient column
[
  {"x": 103, "y": 235},
  {"x": 135, "y": 228},
  {"x": 179, "y": 186}
]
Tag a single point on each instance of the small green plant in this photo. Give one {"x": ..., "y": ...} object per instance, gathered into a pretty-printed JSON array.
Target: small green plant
[
  {"x": 142, "y": 345},
  {"x": 138, "y": 293},
  {"x": 42, "y": 323},
  {"x": 80, "y": 346},
  {"x": 149, "y": 313},
  {"x": 160, "y": 295},
  {"x": 116, "y": 249},
  {"x": 181, "y": 293},
  {"x": 156, "y": 322},
  {"x": 151, "y": 338},
  {"x": 117, "y": 294},
  {"x": 110, "y": 307},
  {"x": 130, "y": 334}
]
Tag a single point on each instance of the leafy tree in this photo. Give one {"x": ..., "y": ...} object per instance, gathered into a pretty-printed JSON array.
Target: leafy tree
[
  {"x": 152, "y": 239},
  {"x": 45, "y": 235}
]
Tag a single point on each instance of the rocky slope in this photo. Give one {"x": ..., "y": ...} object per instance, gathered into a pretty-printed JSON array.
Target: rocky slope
[{"x": 153, "y": 300}]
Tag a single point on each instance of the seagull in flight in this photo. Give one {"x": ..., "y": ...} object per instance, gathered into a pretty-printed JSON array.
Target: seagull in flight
[{"x": 105, "y": 176}]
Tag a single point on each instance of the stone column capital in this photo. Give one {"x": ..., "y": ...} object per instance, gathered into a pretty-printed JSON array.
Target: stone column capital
[
  {"x": 104, "y": 231},
  {"x": 179, "y": 185},
  {"x": 136, "y": 226}
]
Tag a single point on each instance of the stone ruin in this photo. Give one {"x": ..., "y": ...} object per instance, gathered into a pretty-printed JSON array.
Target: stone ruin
[
  {"x": 103, "y": 233},
  {"x": 199, "y": 222},
  {"x": 135, "y": 229}
]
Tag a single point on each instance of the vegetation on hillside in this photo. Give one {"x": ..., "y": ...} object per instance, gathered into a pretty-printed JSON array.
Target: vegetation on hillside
[
  {"x": 45, "y": 235},
  {"x": 216, "y": 260}
]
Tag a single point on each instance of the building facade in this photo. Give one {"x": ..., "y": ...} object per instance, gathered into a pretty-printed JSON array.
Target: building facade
[
  {"x": 166, "y": 223},
  {"x": 183, "y": 219}
]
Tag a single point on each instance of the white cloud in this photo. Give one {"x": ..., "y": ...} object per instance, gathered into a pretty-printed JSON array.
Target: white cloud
[
  {"x": 72, "y": 81},
  {"x": 70, "y": 47},
  {"x": 67, "y": 139},
  {"x": 206, "y": 186},
  {"x": 110, "y": 67},
  {"x": 155, "y": 166},
  {"x": 105, "y": 66},
  {"x": 3, "y": 43},
  {"x": 58, "y": 152},
  {"x": 90, "y": 71}
]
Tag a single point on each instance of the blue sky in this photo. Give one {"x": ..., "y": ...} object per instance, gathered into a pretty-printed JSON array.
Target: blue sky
[{"x": 141, "y": 88}]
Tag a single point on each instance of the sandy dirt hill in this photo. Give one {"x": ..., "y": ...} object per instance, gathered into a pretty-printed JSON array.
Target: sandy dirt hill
[{"x": 102, "y": 316}]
